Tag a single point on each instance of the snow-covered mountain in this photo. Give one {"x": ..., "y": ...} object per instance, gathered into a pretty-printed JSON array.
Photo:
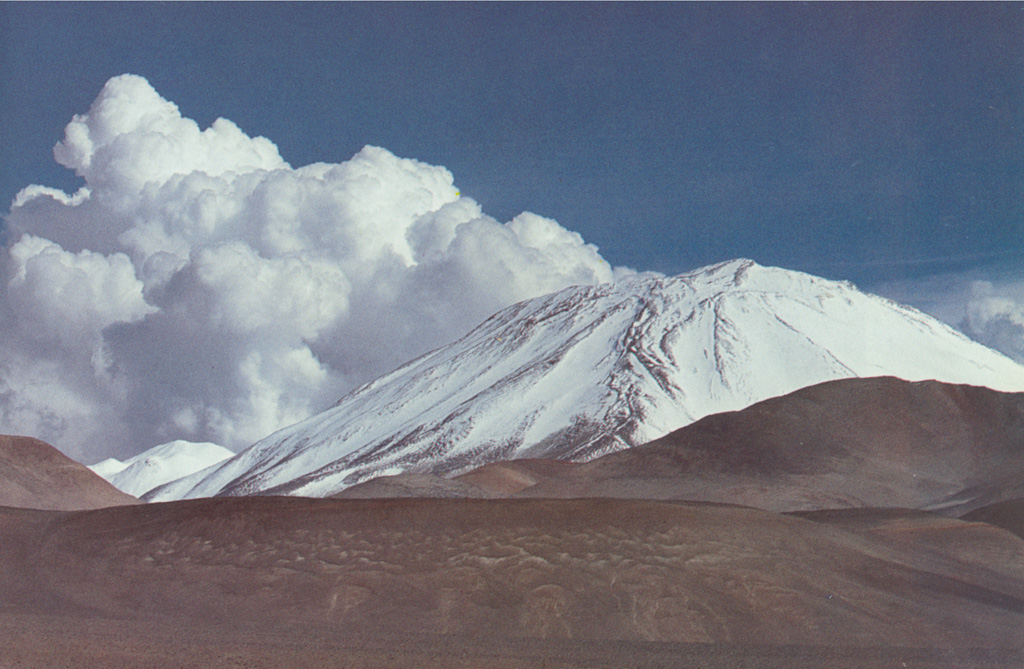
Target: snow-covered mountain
[
  {"x": 594, "y": 369},
  {"x": 160, "y": 464},
  {"x": 107, "y": 468}
]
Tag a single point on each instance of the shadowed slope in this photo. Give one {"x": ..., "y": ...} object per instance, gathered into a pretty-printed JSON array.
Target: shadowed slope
[
  {"x": 1008, "y": 515},
  {"x": 34, "y": 474},
  {"x": 930, "y": 539},
  {"x": 878, "y": 442}
]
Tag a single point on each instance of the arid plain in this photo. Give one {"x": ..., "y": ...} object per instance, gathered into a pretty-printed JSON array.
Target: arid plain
[{"x": 564, "y": 580}]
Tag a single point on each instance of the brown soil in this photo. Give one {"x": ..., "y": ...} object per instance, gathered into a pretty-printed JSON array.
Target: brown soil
[
  {"x": 878, "y": 442},
  {"x": 1008, "y": 515},
  {"x": 35, "y": 475},
  {"x": 560, "y": 583}
]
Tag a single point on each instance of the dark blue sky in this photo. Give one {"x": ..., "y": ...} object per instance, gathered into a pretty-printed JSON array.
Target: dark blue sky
[{"x": 864, "y": 141}]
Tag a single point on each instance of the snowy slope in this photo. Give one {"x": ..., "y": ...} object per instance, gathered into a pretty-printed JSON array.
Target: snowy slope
[
  {"x": 108, "y": 468},
  {"x": 594, "y": 369},
  {"x": 159, "y": 465}
]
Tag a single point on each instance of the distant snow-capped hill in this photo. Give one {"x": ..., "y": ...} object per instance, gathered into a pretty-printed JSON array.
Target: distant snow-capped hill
[
  {"x": 594, "y": 369},
  {"x": 108, "y": 468},
  {"x": 160, "y": 464}
]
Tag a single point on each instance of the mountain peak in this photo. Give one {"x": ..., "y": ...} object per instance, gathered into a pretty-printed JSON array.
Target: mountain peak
[
  {"x": 160, "y": 464},
  {"x": 734, "y": 268},
  {"x": 595, "y": 369}
]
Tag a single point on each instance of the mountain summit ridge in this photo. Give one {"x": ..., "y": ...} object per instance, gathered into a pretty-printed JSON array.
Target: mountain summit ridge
[
  {"x": 160, "y": 464},
  {"x": 594, "y": 369}
]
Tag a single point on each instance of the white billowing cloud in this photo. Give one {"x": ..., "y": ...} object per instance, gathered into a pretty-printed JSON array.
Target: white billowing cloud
[
  {"x": 35, "y": 191},
  {"x": 198, "y": 287},
  {"x": 69, "y": 298},
  {"x": 995, "y": 317},
  {"x": 131, "y": 136},
  {"x": 987, "y": 305}
]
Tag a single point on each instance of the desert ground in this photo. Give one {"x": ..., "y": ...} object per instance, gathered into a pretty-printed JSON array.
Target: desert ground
[
  {"x": 270, "y": 581},
  {"x": 863, "y": 523}
]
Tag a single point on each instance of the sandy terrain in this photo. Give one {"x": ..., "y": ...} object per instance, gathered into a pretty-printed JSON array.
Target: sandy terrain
[
  {"x": 421, "y": 582},
  {"x": 539, "y": 563},
  {"x": 35, "y": 475}
]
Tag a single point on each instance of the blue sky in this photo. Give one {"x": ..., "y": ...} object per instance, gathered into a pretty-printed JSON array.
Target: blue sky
[
  {"x": 201, "y": 288},
  {"x": 872, "y": 142}
]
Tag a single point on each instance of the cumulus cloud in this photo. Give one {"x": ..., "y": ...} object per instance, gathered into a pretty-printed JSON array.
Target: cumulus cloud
[
  {"x": 198, "y": 287},
  {"x": 995, "y": 316},
  {"x": 987, "y": 305}
]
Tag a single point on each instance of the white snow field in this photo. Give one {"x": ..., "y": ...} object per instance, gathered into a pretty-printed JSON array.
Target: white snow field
[
  {"x": 160, "y": 464},
  {"x": 594, "y": 369}
]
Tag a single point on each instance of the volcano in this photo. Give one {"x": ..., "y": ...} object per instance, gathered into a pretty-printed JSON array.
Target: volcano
[{"x": 592, "y": 370}]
